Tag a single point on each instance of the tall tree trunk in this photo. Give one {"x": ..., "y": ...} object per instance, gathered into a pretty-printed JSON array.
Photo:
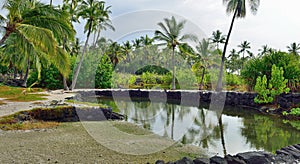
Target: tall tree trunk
[
  {"x": 173, "y": 67},
  {"x": 65, "y": 84},
  {"x": 50, "y": 2},
  {"x": 219, "y": 84},
  {"x": 202, "y": 79},
  {"x": 81, "y": 59},
  {"x": 15, "y": 73},
  {"x": 26, "y": 73},
  {"x": 98, "y": 36},
  {"x": 3, "y": 39}
]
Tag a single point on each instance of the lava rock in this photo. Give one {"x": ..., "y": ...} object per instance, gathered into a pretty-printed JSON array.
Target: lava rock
[
  {"x": 201, "y": 161},
  {"x": 253, "y": 157}
]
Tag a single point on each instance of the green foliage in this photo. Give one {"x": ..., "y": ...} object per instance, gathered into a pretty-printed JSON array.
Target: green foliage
[
  {"x": 152, "y": 69},
  {"x": 186, "y": 79},
  {"x": 295, "y": 111},
  {"x": 103, "y": 77},
  {"x": 277, "y": 83},
  {"x": 132, "y": 80},
  {"x": 268, "y": 91},
  {"x": 167, "y": 78},
  {"x": 50, "y": 78},
  {"x": 263, "y": 96},
  {"x": 149, "y": 78},
  {"x": 263, "y": 66},
  {"x": 232, "y": 79}
]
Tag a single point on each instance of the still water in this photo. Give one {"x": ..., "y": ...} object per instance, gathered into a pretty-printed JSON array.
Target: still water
[{"x": 236, "y": 130}]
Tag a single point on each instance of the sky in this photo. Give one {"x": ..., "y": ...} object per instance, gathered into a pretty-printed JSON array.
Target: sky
[{"x": 276, "y": 23}]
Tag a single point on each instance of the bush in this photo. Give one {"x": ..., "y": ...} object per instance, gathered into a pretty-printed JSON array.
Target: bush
[
  {"x": 268, "y": 91},
  {"x": 232, "y": 79},
  {"x": 294, "y": 112},
  {"x": 263, "y": 66},
  {"x": 152, "y": 69},
  {"x": 103, "y": 77},
  {"x": 186, "y": 79},
  {"x": 149, "y": 78},
  {"x": 50, "y": 78}
]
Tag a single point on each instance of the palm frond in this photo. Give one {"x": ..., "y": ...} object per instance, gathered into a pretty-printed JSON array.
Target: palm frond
[{"x": 42, "y": 39}]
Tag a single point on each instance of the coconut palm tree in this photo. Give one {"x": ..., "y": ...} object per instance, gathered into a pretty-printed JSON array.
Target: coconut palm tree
[
  {"x": 218, "y": 38},
  {"x": 244, "y": 46},
  {"x": 89, "y": 10},
  {"x": 294, "y": 48},
  {"x": 171, "y": 36},
  {"x": 34, "y": 30},
  {"x": 264, "y": 50},
  {"x": 204, "y": 52},
  {"x": 238, "y": 8}
]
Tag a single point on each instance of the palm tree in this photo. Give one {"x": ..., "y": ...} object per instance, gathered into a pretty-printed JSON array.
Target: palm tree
[
  {"x": 204, "y": 51},
  {"x": 34, "y": 30},
  {"x": 238, "y": 8},
  {"x": 294, "y": 48},
  {"x": 244, "y": 46},
  {"x": 218, "y": 38},
  {"x": 264, "y": 50},
  {"x": 171, "y": 36},
  {"x": 115, "y": 54},
  {"x": 89, "y": 10}
]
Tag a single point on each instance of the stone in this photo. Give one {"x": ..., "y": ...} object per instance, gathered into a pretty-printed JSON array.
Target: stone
[
  {"x": 253, "y": 157},
  {"x": 201, "y": 161},
  {"x": 184, "y": 160},
  {"x": 160, "y": 162},
  {"x": 234, "y": 160},
  {"x": 218, "y": 160}
]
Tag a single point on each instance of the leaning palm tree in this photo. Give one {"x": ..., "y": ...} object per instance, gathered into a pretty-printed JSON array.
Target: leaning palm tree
[
  {"x": 89, "y": 10},
  {"x": 294, "y": 48},
  {"x": 34, "y": 30},
  {"x": 238, "y": 8},
  {"x": 171, "y": 36},
  {"x": 218, "y": 38}
]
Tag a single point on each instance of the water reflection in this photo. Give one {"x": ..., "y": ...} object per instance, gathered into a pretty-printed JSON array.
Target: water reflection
[{"x": 237, "y": 130}]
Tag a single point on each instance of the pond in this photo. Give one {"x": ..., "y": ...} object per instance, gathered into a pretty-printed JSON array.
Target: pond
[{"x": 236, "y": 130}]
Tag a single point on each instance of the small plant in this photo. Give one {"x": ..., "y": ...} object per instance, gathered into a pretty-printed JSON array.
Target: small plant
[
  {"x": 148, "y": 78},
  {"x": 295, "y": 112},
  {"x": 267, "y": 92}
]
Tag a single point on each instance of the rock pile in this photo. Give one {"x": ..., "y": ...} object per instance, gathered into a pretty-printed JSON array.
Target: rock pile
[{"x": 290, "y": 154}]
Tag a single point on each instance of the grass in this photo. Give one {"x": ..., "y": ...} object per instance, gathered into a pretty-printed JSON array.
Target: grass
[
  {"x": 88, "y": 104},
  {"x": 12, "y": 122},
  {"x": 21, "y": 94}
]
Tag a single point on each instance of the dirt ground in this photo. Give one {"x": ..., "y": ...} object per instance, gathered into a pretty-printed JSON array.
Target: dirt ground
[{"x": 71, "y": 143}]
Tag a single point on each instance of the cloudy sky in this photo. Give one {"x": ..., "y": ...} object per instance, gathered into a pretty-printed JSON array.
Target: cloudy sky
[{"x": 276, "y": 23}]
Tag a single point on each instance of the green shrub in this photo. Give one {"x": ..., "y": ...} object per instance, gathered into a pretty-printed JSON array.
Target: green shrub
[
  {"x": 103, "y": 77},
  {"x": 50, "y": 78},
  {"x": 232, "y": 79},
  {"x": 167, "y": 78},
  {"x": 263, "y": 92},
  {"x": 267, "y": 92},
  {"x": 149, "y": 78},
  {"x": 294, "y": 112},
  {"x": 186, "y": 79},
  {"x": 152, "y": 69}
]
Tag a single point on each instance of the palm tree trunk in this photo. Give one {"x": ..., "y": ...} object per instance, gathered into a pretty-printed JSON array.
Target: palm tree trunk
[
  {"x": 202, "y": 79},
  {"x": 219, "y": 84},
  {"x": 26, "y": 74},
  {"x": 3, "y": 39},
  {"x": 97, "y": 38},
  {"x": 15, "y": 72},
  {"x": 65, "y": 84},
  {"x": 50, "y": 2},
  {"x": 173, "y": 67},
  {"x": 81, "y": 59}
]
